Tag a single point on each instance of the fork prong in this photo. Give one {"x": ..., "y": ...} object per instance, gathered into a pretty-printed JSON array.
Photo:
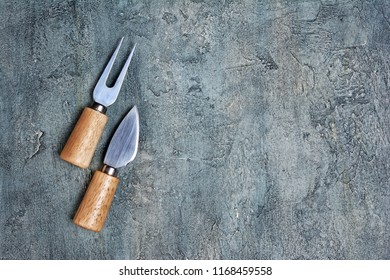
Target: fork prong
[
  {"x": 103, "y": 78},
  {"x": 123, "y": 72},
  {"x": 103, "y": 94}
]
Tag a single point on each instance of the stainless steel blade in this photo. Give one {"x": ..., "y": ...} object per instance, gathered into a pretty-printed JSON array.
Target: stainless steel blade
[{"x": 124, "y": 144}]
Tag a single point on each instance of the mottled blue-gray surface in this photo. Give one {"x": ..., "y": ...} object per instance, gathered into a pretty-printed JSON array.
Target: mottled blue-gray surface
[{"x": 264, "y": 128}]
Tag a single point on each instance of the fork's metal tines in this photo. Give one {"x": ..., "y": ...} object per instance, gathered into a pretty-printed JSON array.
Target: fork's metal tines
[{"x": 107, "y": 95}]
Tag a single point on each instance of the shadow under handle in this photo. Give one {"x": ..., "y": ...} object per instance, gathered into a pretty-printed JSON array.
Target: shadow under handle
[
  {"x": 94, "y": 207},
  {"x": 82, "y": 142}
]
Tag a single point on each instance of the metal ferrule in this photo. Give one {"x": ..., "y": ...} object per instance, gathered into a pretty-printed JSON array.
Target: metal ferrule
[
  {"x": 99, "y": 107},
  {"x": 109, "y": 170}
]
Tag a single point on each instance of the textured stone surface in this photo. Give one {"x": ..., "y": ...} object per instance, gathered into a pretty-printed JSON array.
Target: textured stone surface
[{"x": 265, "y": 128}]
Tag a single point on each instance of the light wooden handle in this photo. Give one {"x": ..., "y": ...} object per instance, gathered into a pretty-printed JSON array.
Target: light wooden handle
[
  {"x": 96, "y": 203},
  {"x": 82, "y": 142}
]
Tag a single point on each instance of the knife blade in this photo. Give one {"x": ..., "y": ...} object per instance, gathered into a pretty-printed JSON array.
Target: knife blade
[
  {"x": 122, "y": 149},
  {"x": 124, "y": 144}
]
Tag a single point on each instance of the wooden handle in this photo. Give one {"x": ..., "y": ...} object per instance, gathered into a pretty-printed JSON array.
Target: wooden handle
[
  {"x": 82, "y": 142},
  {"x": 96, "y": 203}
]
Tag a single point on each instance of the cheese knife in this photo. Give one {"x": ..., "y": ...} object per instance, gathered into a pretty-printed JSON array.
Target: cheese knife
[{"x": 122, "y": 149}]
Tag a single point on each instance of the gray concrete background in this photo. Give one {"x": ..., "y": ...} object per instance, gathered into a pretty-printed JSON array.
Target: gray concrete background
[{"x": 264, "y": 128}]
